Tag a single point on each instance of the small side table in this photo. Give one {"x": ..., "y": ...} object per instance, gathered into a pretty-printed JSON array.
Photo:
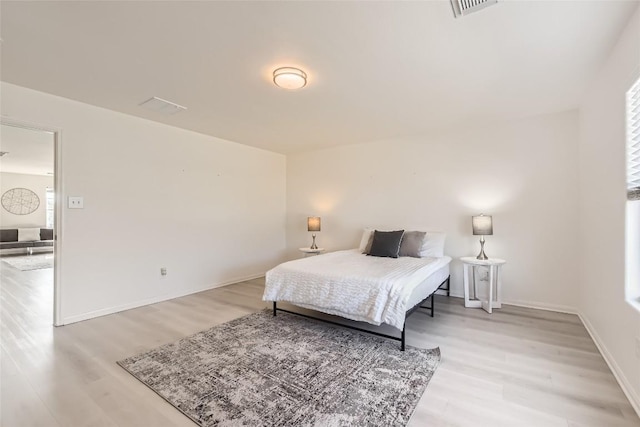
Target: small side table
[
  {"x": 494, "y": 299},
  {"x": 311, "y": 252}
]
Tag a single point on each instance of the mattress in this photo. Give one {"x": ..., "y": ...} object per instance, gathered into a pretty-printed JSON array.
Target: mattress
[
  {"x": 355, "y": 286},
  {"x": 430, "y": 284}
]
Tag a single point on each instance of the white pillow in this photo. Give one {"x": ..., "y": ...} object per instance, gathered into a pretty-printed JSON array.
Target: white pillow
[
  {"x": 367, "y": 235},
  {"x": 433, "y": 245},
  {"x": 28, "y": 234}
]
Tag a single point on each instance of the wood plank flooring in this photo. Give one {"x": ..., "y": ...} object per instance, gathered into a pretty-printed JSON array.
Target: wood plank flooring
[{"x": 516, "y": 367}]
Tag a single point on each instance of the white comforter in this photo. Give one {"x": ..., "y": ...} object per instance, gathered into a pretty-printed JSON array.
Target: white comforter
[{"x": 351, "y": 285}]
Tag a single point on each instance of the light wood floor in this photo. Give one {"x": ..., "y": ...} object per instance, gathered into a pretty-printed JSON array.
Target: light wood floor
[{"x": 516, "y": 367}]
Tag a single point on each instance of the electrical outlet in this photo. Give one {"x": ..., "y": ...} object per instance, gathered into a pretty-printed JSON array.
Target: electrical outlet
[
  {"x": 76, "y": 202},
  {"x": 163, "y": 271},
  {"x": 638, "y": 347}
]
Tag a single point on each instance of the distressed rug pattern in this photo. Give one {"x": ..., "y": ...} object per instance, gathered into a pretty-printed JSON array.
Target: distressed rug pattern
[{"x": 261, "y": 370}]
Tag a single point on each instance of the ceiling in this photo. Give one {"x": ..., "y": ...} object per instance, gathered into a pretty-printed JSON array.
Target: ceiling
[
  {"x": 29, "y": 151},
  {"x": 377, "y": 70}
]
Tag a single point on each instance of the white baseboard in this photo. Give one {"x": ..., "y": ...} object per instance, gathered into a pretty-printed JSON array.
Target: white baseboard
[
  {"x": 628, "y": 390},
  {"x": 558, "y": 308},
  {"x": 527, "y": 304},
  {"x": 444, "y": 292},
  {"x": 111, "y": 310}
]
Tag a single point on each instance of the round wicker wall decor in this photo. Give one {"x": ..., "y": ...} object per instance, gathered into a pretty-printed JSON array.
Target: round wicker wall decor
[{"x": 20, "y": 201}]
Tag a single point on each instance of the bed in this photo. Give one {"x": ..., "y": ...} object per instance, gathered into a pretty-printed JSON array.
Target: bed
[{"x": 358, "y": 287}]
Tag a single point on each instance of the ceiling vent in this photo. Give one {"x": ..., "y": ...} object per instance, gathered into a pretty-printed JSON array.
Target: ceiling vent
[
  {"x": 162, "y": 106},
  {"x": 465, "y": 7}
]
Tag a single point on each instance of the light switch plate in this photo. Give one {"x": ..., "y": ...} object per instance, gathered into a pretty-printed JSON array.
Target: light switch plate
[{"x": 76, "y": 202}]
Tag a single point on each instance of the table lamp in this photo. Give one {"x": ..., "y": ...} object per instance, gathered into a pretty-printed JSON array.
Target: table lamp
[
  {"x": 313, "y": 225},
  {"x": 482, "y": 226}
]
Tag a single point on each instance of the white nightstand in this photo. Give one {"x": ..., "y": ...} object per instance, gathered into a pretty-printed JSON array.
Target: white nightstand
[
  {"x": 494, "y": 299},
  {"x": 311, "y": 252}
]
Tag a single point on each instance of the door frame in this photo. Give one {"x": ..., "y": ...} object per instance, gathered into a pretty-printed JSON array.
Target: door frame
[{"x": 58, "y": 211}]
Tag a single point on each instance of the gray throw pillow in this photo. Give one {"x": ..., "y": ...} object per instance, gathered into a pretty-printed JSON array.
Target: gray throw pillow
[
  {"x": 412, "y": 243},
  {"x": 386, "y": 243}
]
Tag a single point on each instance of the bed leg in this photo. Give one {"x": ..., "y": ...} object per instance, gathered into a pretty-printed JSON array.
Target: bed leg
[
  {"x": 403, "y": 337},
  {"x": 274, "y": 308},
  {"x": 433, "y": 303},
  {"x": 449, "y": 286}
]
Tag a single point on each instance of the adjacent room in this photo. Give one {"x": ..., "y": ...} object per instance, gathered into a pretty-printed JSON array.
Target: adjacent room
[
  {"x": 27, "y": 224},
  {"x": 322, "y": 213}
]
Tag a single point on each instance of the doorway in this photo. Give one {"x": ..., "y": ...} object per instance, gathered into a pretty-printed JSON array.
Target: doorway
[{"x": 29, "y": 223}]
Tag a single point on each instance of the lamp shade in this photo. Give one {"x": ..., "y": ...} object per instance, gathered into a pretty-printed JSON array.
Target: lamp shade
[
  {"x": 482, "y": 225},
  {"x": 313, "y": 223}
]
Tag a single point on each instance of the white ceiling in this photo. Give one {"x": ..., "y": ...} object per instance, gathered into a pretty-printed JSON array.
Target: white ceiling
[
  {"x": 29, "y": 151},
  {"x": 376, "y": 70}
]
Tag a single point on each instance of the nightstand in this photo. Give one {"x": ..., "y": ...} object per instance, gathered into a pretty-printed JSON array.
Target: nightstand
[
  {"x": 494, "y": 298},
  {"x": 311, "y": 252}
]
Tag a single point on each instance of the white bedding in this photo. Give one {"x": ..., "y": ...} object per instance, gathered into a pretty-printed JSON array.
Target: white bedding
[{"x": 352, "y": 285}]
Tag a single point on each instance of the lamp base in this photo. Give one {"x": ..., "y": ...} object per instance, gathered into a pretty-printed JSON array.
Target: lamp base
[
  {"x": 313, "y": 244},
  {"x": 482, "y": 255}
]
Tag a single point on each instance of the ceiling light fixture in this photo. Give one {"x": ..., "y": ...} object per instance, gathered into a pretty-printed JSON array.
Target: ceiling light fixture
[{"x": 290, "y": 78}]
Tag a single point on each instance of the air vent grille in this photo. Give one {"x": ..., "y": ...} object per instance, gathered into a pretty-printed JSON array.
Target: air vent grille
[
  {"x": 162, "y": 106},
  {"x": 465, "y": 7}
]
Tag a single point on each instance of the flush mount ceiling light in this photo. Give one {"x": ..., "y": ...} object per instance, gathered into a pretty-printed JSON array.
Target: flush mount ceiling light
[{"x": 289, "y": 78}]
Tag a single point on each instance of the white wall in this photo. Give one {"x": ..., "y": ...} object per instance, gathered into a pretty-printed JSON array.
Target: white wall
[
  {"x": 36, "y": 183},
  {"x": 209, "y": 210},
  {"x": 524, "y": 173},
  {"x": 614, "y": 324}
]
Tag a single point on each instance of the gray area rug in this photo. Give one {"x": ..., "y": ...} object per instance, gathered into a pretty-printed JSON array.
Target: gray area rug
[
  {"x": 261, "y": 370},
  {"x": 30, "y": 262}
]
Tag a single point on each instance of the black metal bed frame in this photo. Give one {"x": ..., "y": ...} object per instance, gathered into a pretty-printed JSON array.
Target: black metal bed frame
[{"x": 404, "y": 325}]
